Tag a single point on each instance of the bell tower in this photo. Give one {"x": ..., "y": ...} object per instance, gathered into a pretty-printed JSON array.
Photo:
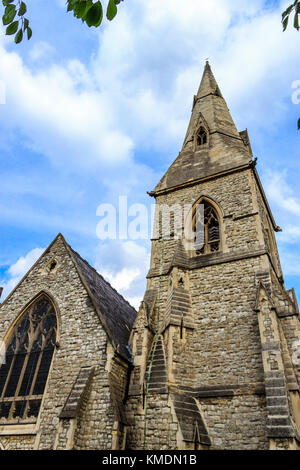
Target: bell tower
[{"x": 214, "y": 339}]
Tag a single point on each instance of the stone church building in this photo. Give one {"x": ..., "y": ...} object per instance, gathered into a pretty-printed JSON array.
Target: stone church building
[{"x": 210, "y": 359}]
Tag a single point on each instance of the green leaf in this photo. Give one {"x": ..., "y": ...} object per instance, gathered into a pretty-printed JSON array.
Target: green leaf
[
  {"x": 111, "y": 10},
  {"x": 29, "y": 32},
  {"x": 9, "y": 14},
  {"x": 285, "y": 23},
  {"x": 299, "y": 123},
  {"x": 22, "y": 9},
  {"x": 296, "y": 22},
  {"x": 19, "y": 36},
  {"x": 101, "y": 15},
  {"x": 26, "y": 24},
  {"x": 89, "y": 4},
  {"x": 79, "y": 9},
  {"x": 94, "y": 15},
  {"x": 12, "y": 28},
  {"x": 287, "y": 11}
]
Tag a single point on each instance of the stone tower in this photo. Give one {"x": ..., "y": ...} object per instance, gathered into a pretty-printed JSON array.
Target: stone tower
[{"x": 215, "y": 341}]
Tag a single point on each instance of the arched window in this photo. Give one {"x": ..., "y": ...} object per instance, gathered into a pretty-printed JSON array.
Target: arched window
[
  {"x": 201, "y": 136},
  {"x": 206, "y": 228},
  {"x": 29, "y": 352}
]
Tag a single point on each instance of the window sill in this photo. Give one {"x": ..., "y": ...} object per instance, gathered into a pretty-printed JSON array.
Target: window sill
[{"x": 18, "y": 429}]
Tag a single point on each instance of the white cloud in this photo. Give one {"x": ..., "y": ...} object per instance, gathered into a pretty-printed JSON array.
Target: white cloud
[
  {"x": 281, "y": 193},
  {"x": 123, "y": 279},
  {"x": 137, "y": 91},
  {"x": 24, "y": 263},
  {"x": 41, "y": 50},
  {"x": 135, "y": 301},
  {"x": 17, "y": 270},
  {"x": 62, "y": 113},
  {"x": 154, "y": 55},
  {"x": 125, "y": 266}
]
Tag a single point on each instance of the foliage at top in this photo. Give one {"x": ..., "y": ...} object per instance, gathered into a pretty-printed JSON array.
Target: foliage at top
[
  {"x": 89, "y": 11},
  {"x": 295, "y": 9}
]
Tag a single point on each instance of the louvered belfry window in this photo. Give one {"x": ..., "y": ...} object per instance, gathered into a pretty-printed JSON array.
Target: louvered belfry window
[
  {"x": 206, "y": 228},
  {"x": 29, "y": 353}
]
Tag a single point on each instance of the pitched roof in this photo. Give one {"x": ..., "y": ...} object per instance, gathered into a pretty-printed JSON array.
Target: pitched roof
[{"x": 116, "y": 314}]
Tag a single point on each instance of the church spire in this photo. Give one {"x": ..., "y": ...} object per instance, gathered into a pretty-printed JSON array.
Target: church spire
[
  {"x": 212, "y": 143},
  {"x": 208, "y": 84},
  {"x": 209, "y": 105}
]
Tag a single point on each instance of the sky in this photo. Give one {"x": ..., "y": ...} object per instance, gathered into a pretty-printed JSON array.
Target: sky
[{"x": 88, "y": 115}]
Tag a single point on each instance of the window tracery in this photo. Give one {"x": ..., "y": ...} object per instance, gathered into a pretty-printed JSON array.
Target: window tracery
[
  {"x": 29, "y": 353},
  {"x": 201, "y": 136},
  {"x": 206, "y": 228}
]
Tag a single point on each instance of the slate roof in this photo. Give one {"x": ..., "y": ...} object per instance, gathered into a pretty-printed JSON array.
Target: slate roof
[{"x": 116, "y": 314}]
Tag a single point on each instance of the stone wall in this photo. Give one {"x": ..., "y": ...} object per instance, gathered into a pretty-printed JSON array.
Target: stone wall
[
  {"x": 161, "y": 424},
  {"x": 237, "y": 423},
  {"x": 17, "y": 442}
]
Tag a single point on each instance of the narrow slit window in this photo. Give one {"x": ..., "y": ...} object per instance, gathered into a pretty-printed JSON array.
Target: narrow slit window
[
  {"x": 29, "y": 353},
  {"x": 181, "y": 328}
]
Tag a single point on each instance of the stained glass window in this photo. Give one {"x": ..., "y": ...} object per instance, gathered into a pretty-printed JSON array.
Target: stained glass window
[{"x": 29, "y": 353}]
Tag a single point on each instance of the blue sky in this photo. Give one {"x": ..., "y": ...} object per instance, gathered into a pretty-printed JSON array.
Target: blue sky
[{"x": 92, "y": 114}]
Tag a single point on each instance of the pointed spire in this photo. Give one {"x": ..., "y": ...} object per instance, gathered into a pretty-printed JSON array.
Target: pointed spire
[
  {"x": 210, "y": 109},
  {"x": 208, "y": 85},
  {"x": 212, "y": 143}
]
